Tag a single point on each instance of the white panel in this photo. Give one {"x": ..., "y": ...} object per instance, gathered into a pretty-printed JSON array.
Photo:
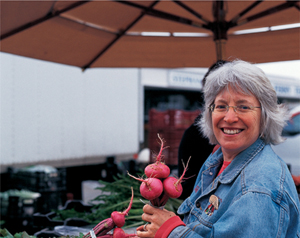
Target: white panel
[
  {"x": 61, "y": 123},
  {"x": 112, "y": 101},
  {"x": 18, "y": 112},
  {"x": 50, "y": 111},
  {"x": 154, "y": 77}
]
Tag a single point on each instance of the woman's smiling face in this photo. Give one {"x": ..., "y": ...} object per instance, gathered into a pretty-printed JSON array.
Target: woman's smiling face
[{"x": 236, "y": 131}]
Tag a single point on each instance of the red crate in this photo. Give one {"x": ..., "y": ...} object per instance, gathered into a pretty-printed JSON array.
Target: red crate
[
  {"x": 179, "y": 119},
  {"x": 173, "y": 157},
  {"x": 171, "y": 137},
  {"x": 182, "y": 119},
  {"x": 170, "y": 156},
  {"x": 158, "y": 119},
  {"x": 170, "y": 125}
]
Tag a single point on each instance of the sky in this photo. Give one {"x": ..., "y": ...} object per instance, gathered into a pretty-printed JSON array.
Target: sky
[{"x": 284, "y": 68}]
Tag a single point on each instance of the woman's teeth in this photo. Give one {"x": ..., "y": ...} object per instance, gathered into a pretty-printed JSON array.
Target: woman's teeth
[{"x": 231, "y": 132}]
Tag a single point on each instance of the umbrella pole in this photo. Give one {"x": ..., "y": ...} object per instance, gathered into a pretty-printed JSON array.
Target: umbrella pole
[
  {"x": 220, "y": 28},
  {"x": 220, "y": 49}
]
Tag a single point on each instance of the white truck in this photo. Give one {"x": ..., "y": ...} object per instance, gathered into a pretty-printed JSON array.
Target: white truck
[{"x": 57, "y": 115}]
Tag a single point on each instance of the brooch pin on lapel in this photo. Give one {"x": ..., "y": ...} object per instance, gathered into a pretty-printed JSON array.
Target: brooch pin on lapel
[{"x": 214, "y": 205}]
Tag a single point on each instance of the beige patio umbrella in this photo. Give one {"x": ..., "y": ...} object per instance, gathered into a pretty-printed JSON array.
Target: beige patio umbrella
[{"x": 166, "y": 34}]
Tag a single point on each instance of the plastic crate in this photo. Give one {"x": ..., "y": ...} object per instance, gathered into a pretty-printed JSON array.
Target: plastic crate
[
  {"x": 172, "y": 138},
  {"x": 170, "y": 125},
  {"x": 18, "y": 213},
  {"x": 50, "y": 200},
  {"x": 46, "y": 220},
  {"x": 158, "y": 119},
  {"x": 46, "y": 180},
  {"x": 181, "y": 119},
  {"x": 171, "y": 118},
  {"x": 50, "y": 219},
  {"x": 39, "y": 181},
  {"x": 77, "y": 205},
  {"x": 170, "y": 156}
]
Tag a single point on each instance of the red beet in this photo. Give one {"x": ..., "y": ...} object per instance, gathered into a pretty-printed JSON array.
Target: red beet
[
  {"x": 119, "y": 217},
  {"x": 172, "y": 187},
  {"x": 119, "y": 233},
  {"x": 151, "y": 188},
  {"x": 158, "y": 169},
  {"x": 116, "y": 219}
]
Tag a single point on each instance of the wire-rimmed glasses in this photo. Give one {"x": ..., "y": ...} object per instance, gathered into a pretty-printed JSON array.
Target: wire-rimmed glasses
[{"x": 221, "y": 108}]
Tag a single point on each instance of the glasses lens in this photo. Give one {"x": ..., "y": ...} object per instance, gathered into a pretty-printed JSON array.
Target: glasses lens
[
  {"x": 244, "y": 108},
  {"x": 220, "y": 108}
]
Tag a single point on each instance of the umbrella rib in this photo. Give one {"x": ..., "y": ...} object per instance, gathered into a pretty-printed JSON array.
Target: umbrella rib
[
  {"x": 88, "y": 24},
  {"x": 297, "y": 7},
  {"x": 42, "y": 19},
  {"x": 167, "y": 16},
  {"x": 238, "y": 16},
  {"x": 267, "y": 12},
  {"x": 190, "y": 10},
  {"x": 122, "y": 33}
]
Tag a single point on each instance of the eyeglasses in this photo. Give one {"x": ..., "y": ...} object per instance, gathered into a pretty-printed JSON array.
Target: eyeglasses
[{"x": 241, "y": 109}]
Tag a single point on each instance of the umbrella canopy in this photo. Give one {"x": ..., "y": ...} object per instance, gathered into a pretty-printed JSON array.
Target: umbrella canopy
[{"x": 157, "y": 34}]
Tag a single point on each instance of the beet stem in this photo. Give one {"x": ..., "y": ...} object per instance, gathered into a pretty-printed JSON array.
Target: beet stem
[
  {"x": 158, "y": 157},
  {"x": 185, "y": 168},
  {"x": 139, "y": 179},
  {"x": 155, "y": 202},
  {"x": 164, "y": 199},
  {"x": 130, "y": 204}
]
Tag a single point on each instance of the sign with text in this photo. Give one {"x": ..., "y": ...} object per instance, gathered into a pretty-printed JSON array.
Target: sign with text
[
  {"x": 185, "y": 80},
  {"x": 287, "y": 91}
]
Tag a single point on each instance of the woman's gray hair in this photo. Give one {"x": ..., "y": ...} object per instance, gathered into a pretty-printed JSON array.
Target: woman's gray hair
[{"x": 247, "y": 78}]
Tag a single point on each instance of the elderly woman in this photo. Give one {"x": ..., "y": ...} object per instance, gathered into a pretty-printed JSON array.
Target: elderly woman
[{"x": 243, "y": 189}]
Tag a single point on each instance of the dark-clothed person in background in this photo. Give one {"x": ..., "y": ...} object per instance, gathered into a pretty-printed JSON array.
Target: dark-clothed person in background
[
  {"x": 193, "y": 144},
  {"x": 244, "y": 189}
]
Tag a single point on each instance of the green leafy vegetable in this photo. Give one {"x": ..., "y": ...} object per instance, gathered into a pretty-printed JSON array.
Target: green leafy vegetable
[
  {"x": 116, "y": 196},
  {"x": 5, "y": 233}
]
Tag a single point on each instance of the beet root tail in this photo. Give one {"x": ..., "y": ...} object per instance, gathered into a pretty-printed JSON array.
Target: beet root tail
[{"x": 102, "y": 228}]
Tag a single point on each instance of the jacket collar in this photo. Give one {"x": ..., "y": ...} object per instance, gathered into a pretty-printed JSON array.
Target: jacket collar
[
  {"x": 232, "y": 171},
  {"x": 241, "y": 161}
]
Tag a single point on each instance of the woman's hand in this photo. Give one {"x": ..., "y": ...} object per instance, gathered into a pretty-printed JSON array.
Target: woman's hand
[{"x": 155, "y": 218}]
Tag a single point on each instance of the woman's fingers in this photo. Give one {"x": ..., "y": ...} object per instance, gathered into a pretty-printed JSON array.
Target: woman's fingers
[
  {"x": 155, "y": 218},
  {"x": 145, "y": 234},
  {"x": 146, "y": 231},
  {"x": 140, "y": 228},
  {"x": 148, "y": 209},
  {"x": 156, "y": 215}
]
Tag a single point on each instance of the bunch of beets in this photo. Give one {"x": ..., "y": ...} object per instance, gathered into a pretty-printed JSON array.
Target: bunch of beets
[
  {"x": 115, "y": 222},
  {"x": 159, "y": 186}
]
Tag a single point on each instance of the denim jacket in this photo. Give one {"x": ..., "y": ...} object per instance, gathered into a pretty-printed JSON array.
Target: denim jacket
[{"x": 255, "y": 196}]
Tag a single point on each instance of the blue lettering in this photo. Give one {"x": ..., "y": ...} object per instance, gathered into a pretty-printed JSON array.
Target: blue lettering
[
  {"x": 185, "y": 79},
  {"x": 281, "y": 89}
]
